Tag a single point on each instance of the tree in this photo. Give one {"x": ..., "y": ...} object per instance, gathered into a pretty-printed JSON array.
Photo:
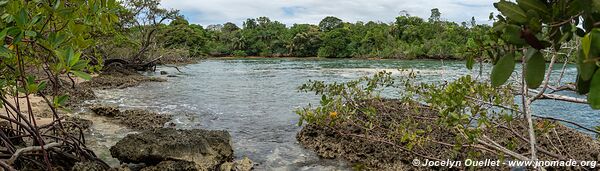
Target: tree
[
  {"x": 250, "y": 23},
  {"x": 146, "y": 18},
  {"x": 306, "y": 40},
  {"x": 329, "y": 23},
  {"x": 179, "y": 21},
  {"x": 54, "y": 38},
  {"x": 335, "y": 44},
  {"x": 229, "y": 27},
  {"x": 435, "y": 15},
  {"x": 526, "y": 30},
  {"x": 179, "y": 34}
]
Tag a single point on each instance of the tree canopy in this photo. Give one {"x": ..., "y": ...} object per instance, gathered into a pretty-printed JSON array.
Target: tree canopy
[{"x": 409, "y": 37}]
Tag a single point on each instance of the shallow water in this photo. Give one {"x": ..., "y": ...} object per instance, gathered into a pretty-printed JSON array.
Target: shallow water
[{"x": 254, "y": 99}]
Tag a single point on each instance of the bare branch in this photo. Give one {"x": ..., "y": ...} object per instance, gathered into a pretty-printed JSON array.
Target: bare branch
[
  {"x": 30, "y": 149},
  {"x": 561, "y": 98}
]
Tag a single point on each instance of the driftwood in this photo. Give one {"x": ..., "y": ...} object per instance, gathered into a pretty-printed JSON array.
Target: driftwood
[{"x": 138, "y": 66}]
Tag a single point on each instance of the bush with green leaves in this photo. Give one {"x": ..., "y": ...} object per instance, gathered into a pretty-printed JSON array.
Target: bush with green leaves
[
  {"x": 51, "y": 37},
  {"x": 525, "y": 31},
  {"x": 342, "y": 100},
  {"x": 464, "y": 118}
]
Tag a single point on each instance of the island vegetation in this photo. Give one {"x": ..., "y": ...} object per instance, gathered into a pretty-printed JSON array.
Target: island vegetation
[{"x": 409, "y": 37}]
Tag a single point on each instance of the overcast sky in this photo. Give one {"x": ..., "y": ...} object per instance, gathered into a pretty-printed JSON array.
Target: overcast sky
[{"x": 206, "y": 12}]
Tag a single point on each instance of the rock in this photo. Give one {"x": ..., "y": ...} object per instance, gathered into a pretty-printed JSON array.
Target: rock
[
  {"x": 105, "y": 111},
  {"x": 89, "y": 166},
  {"x": 120, "y": 169},
  {"x": 172, "y": 165},
  {"x": 142, "y": 119},
  {"x": 239, "y": 165},
  {"x": 135, "y": 119},
  {"x": 243, "y": 165},
  {"x": 227, "y": 166},
  {"x": 163, "y": 73},
  {"x": 205, "y": 148},
  {"x": 118, "y": 79}
]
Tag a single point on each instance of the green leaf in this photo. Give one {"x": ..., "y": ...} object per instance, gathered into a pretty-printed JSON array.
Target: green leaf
[
  {"x": 512, "y": 11},
  {"x": 585, "y": 68},
  {"x": 42, "y": 85},
  {"x": 80, "y": 65},
  {"x": 56, "y": 5},
  {"x": 55, "y": 39},
  {"x": 83, "y": 75},
  {"x": 35, "y": 19},
  {"x": 536, "y": 67},
  {"x": 498, "y": 26},
  {"x": 586, "y": 44},
  {"x": 22, "y": 18},
  {"x": 535, "y": 25},
  {"x": 60, "y": 100},
  {"x": 594, "y": 50},
  {"x": 594, "y": 96},
  {"x": 68, "y": 56},
  {"x": 535, "y": 5},
  {"x": 75, "y": 59},
  {"x": 512, "y": 35},
  {"x": 3, "y": 35},
  {"x": 503, "y": 69},
  {"x": 30, "y": 33}
]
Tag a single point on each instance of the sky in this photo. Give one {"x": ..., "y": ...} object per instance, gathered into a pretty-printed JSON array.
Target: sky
[{"x": 207, "y": 12}]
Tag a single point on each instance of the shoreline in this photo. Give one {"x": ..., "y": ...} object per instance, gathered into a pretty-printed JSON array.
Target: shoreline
[
  {"x": 107, "y": 124},
  {"x": 323, "y": 58},
  {"x": 373, "y": 150}
]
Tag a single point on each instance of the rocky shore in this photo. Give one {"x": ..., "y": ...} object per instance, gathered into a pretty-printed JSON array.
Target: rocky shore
[
  {"x": 152, "y": 145},
  {"x": 375, "y": 150}
]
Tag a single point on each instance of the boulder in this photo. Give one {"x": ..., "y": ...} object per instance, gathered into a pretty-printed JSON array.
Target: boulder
[
  {"x": 172, "y": 165},
  {"x": 163, "y": 73},
  {"x": 207, "y": 149},
  {"x": 89, "y": 166},
  {"x": 239, "y": 165}
]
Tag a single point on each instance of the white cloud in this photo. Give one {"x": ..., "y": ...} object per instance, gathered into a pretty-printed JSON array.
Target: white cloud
[{"x": 207, "y": 12}]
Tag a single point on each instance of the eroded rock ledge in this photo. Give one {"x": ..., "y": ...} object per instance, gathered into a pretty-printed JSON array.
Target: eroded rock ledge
[
  {"x": 135, "y": 119},
  {"x": 173, "y": 149}
]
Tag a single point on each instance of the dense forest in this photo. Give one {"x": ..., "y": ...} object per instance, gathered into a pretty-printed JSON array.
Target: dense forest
[{"x": 409, "y": 37}]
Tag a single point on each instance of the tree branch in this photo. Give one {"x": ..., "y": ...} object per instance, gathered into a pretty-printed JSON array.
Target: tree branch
[{"x": 18, "y": 153}]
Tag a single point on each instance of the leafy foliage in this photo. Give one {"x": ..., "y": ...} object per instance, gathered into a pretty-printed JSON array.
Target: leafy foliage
[
  {"x": 466, "y": 107},
  {"x": 408, "y": 38},
  {"x": 534, "y": 26},
  {"x": 341, "y": 101},
  {"x": 43, "y": 42}
]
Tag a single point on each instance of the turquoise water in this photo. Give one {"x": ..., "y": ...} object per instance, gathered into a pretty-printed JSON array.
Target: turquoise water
[{"x": 254, "y": 100}]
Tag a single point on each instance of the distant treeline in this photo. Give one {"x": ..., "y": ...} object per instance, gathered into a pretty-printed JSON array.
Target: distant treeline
[{"x": 409, "y": 37}]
